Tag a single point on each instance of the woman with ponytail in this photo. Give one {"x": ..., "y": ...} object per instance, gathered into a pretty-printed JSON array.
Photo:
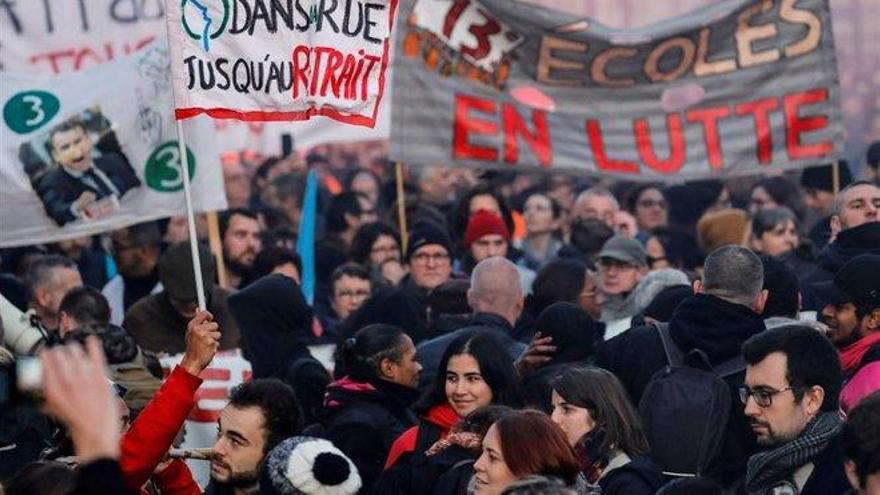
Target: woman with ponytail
[{"x": 368, "y": 408}]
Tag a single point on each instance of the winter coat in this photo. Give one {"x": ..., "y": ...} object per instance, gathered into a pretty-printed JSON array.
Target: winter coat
[
  {"x": 430, "y": 353},
  {"x": 718, "y": 328},
  {"x": 158, "y": 327},
  {"x": 861, "y": 381},
  {"x": 864, "y": 239},
  {"x": 828, "y": 475},
  {"x": 363, "y": 419},
  {"x": 442, "y": 416},
  {"x": 631, "y": 476},
  {"x": 276, "y": 326},
  {"x": 145, "y": 444}
]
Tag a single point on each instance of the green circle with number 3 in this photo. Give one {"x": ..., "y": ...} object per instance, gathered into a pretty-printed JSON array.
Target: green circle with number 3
[
  {"x": 29, "y": 110},
  {"x": 164, "y": 171}
]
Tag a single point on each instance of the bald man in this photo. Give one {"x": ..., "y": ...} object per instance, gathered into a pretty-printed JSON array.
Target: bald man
[{"x": 496, "y": 296}]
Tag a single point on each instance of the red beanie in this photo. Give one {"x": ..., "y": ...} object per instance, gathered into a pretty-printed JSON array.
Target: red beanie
[{"x": 482, "y": 223}]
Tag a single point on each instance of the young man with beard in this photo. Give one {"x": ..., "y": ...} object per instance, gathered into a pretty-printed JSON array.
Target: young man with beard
[
  {"x": 852, "y": 312},
  {"x": 790, "y": 394},
  {"x": 240, "y": 233},
  {"x": 260, "y": 414}
]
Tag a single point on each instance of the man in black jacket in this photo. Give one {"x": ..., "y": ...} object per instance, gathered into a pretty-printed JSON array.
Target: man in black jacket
[
  {"x": 497, "y": 300},
  {"x": 855, "y": 229},
  {"x": 722, "y": 314},
  {"x": 792, "y": 383},
  {"x": 79, "y": 180}
]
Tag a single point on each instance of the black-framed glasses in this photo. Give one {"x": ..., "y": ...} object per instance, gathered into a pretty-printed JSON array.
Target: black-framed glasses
[{"x": 763, "y": 395}]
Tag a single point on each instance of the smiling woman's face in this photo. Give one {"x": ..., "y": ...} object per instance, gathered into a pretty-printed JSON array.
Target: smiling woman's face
[{"x": 465, "y": 388}]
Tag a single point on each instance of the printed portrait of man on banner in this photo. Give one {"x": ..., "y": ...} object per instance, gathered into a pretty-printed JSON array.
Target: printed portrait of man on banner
[{"x": 78, "y": 168}]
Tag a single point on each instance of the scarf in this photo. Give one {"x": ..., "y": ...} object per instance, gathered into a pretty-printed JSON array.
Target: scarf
[
  {"x": 767, "y": 469},
  {"x": 464, "y": 439},
  {"x": 851, "y": 355}
]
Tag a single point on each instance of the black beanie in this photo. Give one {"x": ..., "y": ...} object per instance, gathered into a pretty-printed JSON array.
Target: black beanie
[
  {"x": 688, "y": 202},
  {"x": 782, "y": 288},
  {"x": 425, "y": 233},
  {"x": 665, "y": 302},
  {"x": 822, "y": 177},
  {"x": 574, "y": 332}
]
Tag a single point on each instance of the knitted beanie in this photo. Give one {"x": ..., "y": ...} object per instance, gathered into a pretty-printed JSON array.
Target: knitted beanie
[
  {"x": 483, "y": 223},
  {"x": 426, "y": 233},
  {"x": 307, "y": 465}
]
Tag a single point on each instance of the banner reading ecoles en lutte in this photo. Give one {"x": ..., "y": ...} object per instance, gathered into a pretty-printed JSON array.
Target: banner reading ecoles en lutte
[{"x": 741, "y": 87}]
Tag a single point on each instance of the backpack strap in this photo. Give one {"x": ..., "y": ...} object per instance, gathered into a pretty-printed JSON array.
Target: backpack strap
[
  {"x": 673, "y": 353},
  {"x": 729, "y": 367}
]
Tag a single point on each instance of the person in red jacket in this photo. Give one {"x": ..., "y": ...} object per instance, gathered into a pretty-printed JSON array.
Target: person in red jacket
[
  {"x": 145, "y": 445},
  {"x": 472, "y": 374}
]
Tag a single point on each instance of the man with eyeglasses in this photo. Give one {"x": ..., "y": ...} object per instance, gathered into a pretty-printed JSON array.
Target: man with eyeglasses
[
  {"x": 136, "y": 250},
  {"x": 350, "y": 286},
  {"x": 790, "y": 395},
  {"x": 429, "y": 256},
  {"x": 622, "y": 264}
]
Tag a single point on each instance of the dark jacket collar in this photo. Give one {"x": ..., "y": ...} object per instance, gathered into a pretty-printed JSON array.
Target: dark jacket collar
[
  {"x": 493, "y": 321},
  {"x": 713, "y": 325}
]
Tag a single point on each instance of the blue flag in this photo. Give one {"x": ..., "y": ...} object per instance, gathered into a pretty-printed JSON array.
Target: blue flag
[{"x": 305, "y": 242}]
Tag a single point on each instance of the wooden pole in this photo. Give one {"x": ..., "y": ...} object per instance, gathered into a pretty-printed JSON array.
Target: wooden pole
[
  {"x": 401, "y": 207},
  {"x": 835, "y": 177},
  {"x": 216, "y": 245},
  {"x": 191, "y": 219}
]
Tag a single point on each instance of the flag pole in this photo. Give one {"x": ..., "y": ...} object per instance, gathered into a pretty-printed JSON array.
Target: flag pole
[
  {"x": 835, "y": 176},
  {"x": 190, "y": 218},
  {"x": 401, "y": 207}
]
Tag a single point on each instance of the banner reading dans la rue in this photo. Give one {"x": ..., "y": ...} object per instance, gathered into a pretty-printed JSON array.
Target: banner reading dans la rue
[
  {"x": 741, "y": 87},
  {"x": 257, "y": 60},
  {"x": 95, "y": 150}
]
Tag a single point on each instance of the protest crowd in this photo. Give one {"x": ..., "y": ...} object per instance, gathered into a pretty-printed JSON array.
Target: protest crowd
[
  {"x": 502, "y": 249},
  {"x": 533, "y": 333}
]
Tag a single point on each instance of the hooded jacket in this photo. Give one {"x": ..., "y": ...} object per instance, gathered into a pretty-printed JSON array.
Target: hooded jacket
[
  {"x": 275, "y": 324},
  {"x": 364, "y": 418},
  {"x": 442, "y": 416},
  {"x": 864, "y": 239},
  {"x": 718, "y": 328}
]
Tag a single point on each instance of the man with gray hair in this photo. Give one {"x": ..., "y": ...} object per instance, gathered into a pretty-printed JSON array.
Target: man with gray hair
[
  {"x": 496, "y": 296},
  {"x": 723, "y": 313},
  {"x": 596, "y": 202},
  {"x": 855, "y": 230}
]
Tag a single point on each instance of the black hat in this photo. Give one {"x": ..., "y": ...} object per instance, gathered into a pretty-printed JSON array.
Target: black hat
[
  {"x": 176, "y": 271},
  {"x": 425, "y": 233},
  {"x": 822, "y": 177},
  {"x": 665, "y": 302},
  {"x": 856, "y": 282}
]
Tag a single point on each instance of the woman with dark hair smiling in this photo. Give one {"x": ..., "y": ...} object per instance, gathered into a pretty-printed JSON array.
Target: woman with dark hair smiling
[
  {"x": 521, "y": 444},
  {"x": 591, "y": 407},
  {"x": 472, "y": 374}
]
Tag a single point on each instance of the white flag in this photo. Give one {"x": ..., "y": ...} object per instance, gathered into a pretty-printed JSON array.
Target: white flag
[{"x": 257, "y": 60}]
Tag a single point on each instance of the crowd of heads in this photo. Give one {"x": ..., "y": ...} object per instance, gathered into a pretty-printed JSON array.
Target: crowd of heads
[{"x": 487, "y": 332}]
